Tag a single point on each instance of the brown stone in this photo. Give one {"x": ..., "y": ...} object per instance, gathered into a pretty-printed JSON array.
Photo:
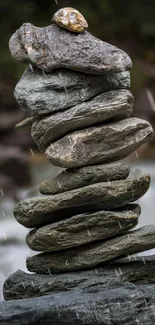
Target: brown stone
[{"x": 70, "y": 19}]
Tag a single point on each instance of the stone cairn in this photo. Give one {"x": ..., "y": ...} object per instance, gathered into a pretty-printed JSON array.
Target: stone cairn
[{"x": 76, "y": 90}]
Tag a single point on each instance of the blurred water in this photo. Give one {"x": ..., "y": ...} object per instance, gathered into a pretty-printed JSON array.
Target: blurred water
[{"x": 13, "y": 249}]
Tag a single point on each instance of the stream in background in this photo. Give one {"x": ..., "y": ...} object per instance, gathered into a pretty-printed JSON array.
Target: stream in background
[{"x": 13, "y": 248}]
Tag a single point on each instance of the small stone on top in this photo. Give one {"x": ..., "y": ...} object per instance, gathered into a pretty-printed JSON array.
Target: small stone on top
[{"x": 70, "y": 19}]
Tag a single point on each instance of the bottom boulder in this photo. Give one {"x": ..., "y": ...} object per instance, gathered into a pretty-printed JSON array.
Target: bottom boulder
[
  {"x": 135, "y": 269},
  {"x": 117, "y": 303}
]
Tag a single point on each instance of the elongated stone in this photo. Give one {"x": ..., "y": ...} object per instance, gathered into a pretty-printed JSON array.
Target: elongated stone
[
  {"x": 40, "y": 93},
  {"x": 101, "y": 144},
  {"x": 83, "y": 229},
  {"x": 44, "y": 210},
  {"x": 139, "y": 270},
  {"x": 108, "y": 105},
  {"x": 25, "y": 124},
  {"x": 52, "y": 47},
  {"x": 93, "y": 254},
  {"x": 71, "y": 179}
]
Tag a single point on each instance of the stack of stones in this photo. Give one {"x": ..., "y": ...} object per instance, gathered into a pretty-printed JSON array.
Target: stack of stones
[{"x": 76, "y": 90}]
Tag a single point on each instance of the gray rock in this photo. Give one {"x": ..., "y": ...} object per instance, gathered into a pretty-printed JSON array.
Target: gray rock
[
  {"x": 101, "y": 144},
  {"x": 44, "y": 210},
  {"x": 116, "y": 303},
  {"x": 141, "y": 270},
  {"x": 40, "y": 93},
  {"x": 52, "y": 47},
  {"x": 93, "y": 254},
  {"x": 83, "y": 229},
  {"x": 108, "y": 105},
  {"x": 71, "y": 179}
]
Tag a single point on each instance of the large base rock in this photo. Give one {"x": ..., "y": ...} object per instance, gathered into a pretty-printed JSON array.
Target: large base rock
[
  {"x": 117, "y": 303},
  {"x": 22, "y": 285},
  {"x": 93, "y": 254},
  {"x": 107, "y": 196}
]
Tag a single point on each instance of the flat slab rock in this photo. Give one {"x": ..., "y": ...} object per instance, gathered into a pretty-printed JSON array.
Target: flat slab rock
[
  {"x": 93, "y": 254},
  {"x": 101, "y": 144},
  {"x": 106, "y": 106},
  {"x": 140, "y": 270},
  {"x": 40, "y": 93},
  {"x": 117, "y": 303},
  {"x": 83, "y": 229},
  {"x": 52, "y": 47},
  {"x": 70, "y": 179},
  {"x": 42, "y": 210}
]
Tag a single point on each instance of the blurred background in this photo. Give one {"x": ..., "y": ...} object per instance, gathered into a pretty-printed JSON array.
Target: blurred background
[{"x": 129, "y": 25}]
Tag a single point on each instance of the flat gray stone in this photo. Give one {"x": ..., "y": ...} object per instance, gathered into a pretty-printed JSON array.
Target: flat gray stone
[
  {"x": 100, "y": 144},
  {"x": 117, "y": 303},
  {"x": 45, "y": 210},
  {"x": 103, "y": 107},
  {"x": 93, "y": 254},
  {"x": 40, "y": 93},
  {"x": 52, "y": 47},
  {"x": 71, "y": 179},
  {"x": 83, "y": 229},
  {"x": 141, "y": 270}
]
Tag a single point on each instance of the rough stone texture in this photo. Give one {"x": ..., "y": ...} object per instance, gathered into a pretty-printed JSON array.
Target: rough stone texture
[
  {"x": 26, "y": 124},
  {"x": 42, "y": 210},
  {"x": 52, "y": 47},
  {"x": 108, "y": 105},
  {"x": 116, "y": 303},
  {"x": 70, "y": 19},
  {"x": 95, "y": 145},
  {"x": 93, "y": 254},
  {"x": 83, "y": 229},
  {"x": 141, "y": 270},
  {"x": 40, "y": 93},
  {"x": 71, "y": 179}
]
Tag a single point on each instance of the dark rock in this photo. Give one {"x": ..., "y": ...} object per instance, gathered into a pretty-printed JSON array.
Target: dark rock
[
  {"x": 41, "y": 210},
  {"x": 93, "y": 254},
  {"x": 15, "y": 165},
  {"x": 21, "y": 285},
  {"x": 38, "y": 93},
  {"x": 101, "y": 144},
  {"x": 52, "y": 47},
  {"x": 116, "y": 303},
  {"x": 71, "y": 179},
  {"x": 108, "y": 105},
  {"x": 83, "y": 229}
]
